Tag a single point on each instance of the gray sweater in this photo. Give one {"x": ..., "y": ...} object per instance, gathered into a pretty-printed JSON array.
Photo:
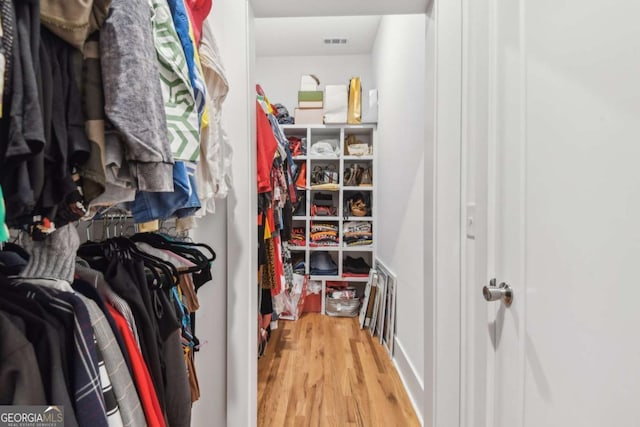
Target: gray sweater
[{"x": 133, "y": 96}]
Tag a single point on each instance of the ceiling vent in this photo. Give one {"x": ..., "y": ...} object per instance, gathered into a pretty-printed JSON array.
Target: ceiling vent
[{"x": 335, "y": 40}]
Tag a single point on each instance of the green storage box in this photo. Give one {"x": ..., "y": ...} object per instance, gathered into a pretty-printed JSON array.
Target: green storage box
[{"x": 313, "y": 96}]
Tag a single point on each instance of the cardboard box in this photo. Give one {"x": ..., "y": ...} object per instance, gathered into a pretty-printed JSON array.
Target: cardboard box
[
  {"x": 310, "y": 96},
  {"x": 309, "y": 83},
  {"x": 310, "y": 104},
  {"x": 309, "y": 116}
]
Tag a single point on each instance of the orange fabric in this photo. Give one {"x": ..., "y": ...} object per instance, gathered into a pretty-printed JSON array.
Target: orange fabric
[
  {"x": 301, "y": 182},
  {"x": 279, "y": 266},
  {"x": 271, "y": 223},
  {"x": 267, "y": 146},
  {"x": 142, "y": 378}
]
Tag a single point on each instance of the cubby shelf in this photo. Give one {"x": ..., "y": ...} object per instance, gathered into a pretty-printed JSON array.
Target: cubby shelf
[{"x": 339, "y": 196}]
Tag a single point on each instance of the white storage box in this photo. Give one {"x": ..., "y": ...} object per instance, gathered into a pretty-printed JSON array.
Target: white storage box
[
  {"x": 336, "y": 100},
  {"x": 370, "y": 106}
]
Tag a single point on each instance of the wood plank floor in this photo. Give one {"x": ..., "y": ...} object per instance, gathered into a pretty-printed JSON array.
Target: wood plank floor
[{"x": 325, "y": 371}]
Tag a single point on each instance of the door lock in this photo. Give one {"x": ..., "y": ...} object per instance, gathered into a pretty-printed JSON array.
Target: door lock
[{"x": 496, "y": 293}]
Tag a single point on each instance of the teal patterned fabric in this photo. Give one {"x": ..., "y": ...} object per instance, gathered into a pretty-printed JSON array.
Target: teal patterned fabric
[{"x": 183, "y": 121}]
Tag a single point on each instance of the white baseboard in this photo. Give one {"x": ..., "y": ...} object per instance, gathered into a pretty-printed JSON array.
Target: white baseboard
[{"x": 411, "y": 380}]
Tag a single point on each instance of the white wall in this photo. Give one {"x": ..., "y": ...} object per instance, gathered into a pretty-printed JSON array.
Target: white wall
[
  {"x": 279, "y": 76},
  {"x": 429, "y": 219},
  {"x": 399, "y": 68},
  {"x": 227, "y": 323},
  {"x": 211, "y": 321}
]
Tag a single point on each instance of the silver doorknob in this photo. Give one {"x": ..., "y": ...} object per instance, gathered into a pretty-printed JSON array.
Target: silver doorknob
[{"x": 496, "y": 293}]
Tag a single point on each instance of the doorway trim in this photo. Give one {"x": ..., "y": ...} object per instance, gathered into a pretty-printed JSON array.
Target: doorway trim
[{"x": 444, "y": 212}]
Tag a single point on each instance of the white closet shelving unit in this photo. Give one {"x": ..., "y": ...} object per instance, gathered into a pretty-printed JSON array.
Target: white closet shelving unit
[{"x": 343, "y": 161}]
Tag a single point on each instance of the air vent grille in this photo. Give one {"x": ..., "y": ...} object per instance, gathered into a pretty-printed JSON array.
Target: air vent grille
[{"x": 335, "y": 40}]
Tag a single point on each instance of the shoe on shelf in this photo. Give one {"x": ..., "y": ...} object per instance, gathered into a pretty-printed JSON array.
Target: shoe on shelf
[
  {"x": 350, "y": 175},
  {"x": 367, "y": 178}
]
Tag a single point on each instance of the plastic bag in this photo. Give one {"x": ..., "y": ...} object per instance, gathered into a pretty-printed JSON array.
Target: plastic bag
[{"x": 289, "y": 303}]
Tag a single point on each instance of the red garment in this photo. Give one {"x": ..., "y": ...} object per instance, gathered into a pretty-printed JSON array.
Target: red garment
[
  {"x": 267, "y": 146},
  {"x": 198, "y": 10},
  {"x": 142, "y": 378}
]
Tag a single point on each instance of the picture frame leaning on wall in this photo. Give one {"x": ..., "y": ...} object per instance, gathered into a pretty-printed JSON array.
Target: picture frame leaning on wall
[
  {"x": 388, "y": 312},
  {"x": 365, "y": 311}
]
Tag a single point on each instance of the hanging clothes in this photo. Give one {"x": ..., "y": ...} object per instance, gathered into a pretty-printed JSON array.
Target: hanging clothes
[
  {"x": 4, "y": 231},
  {"x": 19, "y": 368},
  {"x": 73, "y": 22},
  {"x": 213, "y": 170},
  {"x": 198, "y": 11},
  {"x": 184, "y": 30},
  {"x": 84, "y": 348},
  {"x": 183, "y": 123},
  {"x": 144, "y": 384},
  {"x": 133, "y": 95}
]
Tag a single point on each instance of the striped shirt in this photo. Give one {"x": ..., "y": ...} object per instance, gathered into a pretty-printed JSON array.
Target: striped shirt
[
  {"x": 96, "y": 278},
  {"x": 114, "y": 418},
  {"x": 121, "y": 398},
  {"x": 89, "y": 399}
]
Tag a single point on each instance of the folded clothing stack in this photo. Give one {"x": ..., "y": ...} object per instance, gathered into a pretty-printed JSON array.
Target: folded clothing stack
[
  {"x": 324, "y": 234},
  {"x": 323, "y": 265},
  {"x": 323, "y": 205},
  {"x": 358, "y": 233},
  {"x": 355, "y": 267},
  {"x": 297, "y": 260},
  {"x": 298, "y": 237}
]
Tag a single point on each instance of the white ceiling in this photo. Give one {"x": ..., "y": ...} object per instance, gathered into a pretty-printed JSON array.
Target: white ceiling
[
  {"x": 280, "y": 8},
  {"x": 305, "y": 36}
]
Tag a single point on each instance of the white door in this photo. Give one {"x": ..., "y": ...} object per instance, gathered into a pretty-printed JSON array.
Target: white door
[{"x": 558, "y": 201}]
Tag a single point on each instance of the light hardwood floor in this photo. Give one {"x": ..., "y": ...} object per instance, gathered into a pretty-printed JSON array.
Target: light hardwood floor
[{"x": 325, "y": 371}]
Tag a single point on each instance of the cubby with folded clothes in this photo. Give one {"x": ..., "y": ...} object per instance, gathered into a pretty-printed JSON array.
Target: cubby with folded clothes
[
  {"x": 298, "y": 237},
  {"x": 324, "y": 234},
  {"x": 355, "y": 267},
  {"x": 322, "y": 263},
  {"x": 298, "y": 261},
  {"x": 324, "y": 204},
  {"x": 357, "y": 233}
]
